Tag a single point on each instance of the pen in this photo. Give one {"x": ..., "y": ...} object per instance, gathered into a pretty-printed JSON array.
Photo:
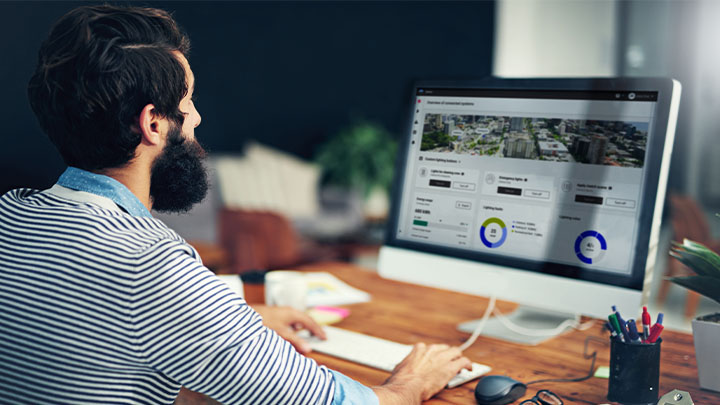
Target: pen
[
  {"x": 621, "y": 322},
  {"x": 614, "y": 322},
  {"x": 655, "y": 332},
  {"x": 656, "y": 329},
  {"x": 632, "y": 331},
  {"x": 646, "y": 324},
  {"x": 609, "y": 327}
]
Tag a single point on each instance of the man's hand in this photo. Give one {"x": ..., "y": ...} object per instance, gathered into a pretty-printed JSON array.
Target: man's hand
[
  {"x": 285, "y": 321},
  {"x": 423, "y": 373}
]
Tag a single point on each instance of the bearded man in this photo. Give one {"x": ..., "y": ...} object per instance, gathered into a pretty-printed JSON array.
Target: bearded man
[{"x": 102, "y": 303}]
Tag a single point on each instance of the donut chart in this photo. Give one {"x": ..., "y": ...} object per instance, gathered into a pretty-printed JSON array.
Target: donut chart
[
  {"x": 590, "y": 246},
  {"x": 493, "y": 232}
]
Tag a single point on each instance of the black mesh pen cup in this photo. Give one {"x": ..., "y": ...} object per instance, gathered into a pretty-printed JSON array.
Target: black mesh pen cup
[{"x": 634, "y": 372}]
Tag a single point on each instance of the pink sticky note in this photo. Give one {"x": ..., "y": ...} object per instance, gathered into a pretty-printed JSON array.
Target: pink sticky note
[{"x": 339, "y": 311}]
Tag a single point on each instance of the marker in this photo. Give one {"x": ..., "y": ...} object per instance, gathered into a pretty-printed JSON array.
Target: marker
[
  {"x": 614, "y": 335},
  {"x": 646, "y": 324},
  {"x": 621, "y": 322},
  {"x": 632, "y": 331},
  {"x": 656, "y": 329},
  {"x": 614, "y": 322},
  {"x": 655, "y": 332}
]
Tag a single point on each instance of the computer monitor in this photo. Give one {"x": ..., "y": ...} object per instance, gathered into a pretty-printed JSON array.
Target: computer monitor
[{"x": 545, "y": 192}]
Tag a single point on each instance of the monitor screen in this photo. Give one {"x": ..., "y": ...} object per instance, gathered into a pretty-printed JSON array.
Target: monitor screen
[{"x": 558, "y": 177}]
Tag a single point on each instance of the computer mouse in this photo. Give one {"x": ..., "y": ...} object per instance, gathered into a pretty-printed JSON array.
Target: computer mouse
[{"x": 498, "y": 390}]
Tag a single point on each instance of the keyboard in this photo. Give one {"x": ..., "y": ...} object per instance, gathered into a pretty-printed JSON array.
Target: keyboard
[{"x": 375, "y": 352}]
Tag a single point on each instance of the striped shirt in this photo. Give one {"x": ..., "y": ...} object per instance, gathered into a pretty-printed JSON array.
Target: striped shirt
[{"x": 101, "y": 306}]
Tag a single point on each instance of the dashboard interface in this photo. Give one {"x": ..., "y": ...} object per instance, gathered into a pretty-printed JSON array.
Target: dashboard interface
[{"x": 547, "y": 176}]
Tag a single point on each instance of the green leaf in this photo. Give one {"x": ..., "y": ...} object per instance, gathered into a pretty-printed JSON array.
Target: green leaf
[
  {"x": 702, "y": 250},
  {"x": 696, "y": 262},
  {"x": 697, "y": 257},
  {"x": 361, "y": 156},
  {"x": 707, "y": 286}
]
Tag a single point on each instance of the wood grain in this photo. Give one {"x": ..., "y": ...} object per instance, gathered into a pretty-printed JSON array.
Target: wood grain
[{"x": 409, "y": 313}]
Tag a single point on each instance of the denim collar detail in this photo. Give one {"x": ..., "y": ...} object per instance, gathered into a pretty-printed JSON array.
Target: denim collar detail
[{"x": 82, "y": 180}]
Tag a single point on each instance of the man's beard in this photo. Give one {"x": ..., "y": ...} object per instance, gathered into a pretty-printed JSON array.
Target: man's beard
[{"x": 178, "y": 179}]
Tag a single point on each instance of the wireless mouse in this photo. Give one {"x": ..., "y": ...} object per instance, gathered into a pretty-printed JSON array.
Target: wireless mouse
[{"x": 498, "y": 390}]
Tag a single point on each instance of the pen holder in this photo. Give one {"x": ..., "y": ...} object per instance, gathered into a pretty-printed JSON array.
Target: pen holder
[{"x": 634, "y": 372}]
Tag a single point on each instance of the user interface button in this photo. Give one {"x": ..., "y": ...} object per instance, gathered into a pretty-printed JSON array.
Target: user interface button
[
  {"x": 618, "y": 202},
  {"x": 463, "y": 186},
  {"x": 463, "y": 205},
  {"x": 588, "y": 199},
  {"x": 439, "y": 183},
  {"x": 545, "y": 195},
  {"x": 509, "y": 190}
]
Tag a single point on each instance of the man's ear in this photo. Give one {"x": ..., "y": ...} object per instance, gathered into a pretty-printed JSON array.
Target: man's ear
[{"x": 151, "y": 125}]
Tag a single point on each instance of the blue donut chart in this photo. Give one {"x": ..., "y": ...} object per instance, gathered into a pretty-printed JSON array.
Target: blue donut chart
[
  {"x": 594, "y": 234},
  {"x": 484, "y": 226}
]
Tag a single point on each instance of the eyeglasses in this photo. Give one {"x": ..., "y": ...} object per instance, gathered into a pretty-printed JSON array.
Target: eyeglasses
[{"x": 543, "y": 397}]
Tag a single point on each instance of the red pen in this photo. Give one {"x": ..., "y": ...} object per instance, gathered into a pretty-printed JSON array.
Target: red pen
[
  {"x": 646, "y": 325},
  {"x": 656, "y": 329},
  {"x": 655, "y": 332}
]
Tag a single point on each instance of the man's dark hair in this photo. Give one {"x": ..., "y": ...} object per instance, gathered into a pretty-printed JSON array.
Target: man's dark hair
[{"x": 98, "y": 68}]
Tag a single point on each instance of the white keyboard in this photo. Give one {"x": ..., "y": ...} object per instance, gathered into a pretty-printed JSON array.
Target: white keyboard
[{"x": 375, "y": 352}]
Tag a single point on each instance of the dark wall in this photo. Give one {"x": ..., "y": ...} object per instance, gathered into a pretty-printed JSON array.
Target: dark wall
[{"x": 287, "y": 74}]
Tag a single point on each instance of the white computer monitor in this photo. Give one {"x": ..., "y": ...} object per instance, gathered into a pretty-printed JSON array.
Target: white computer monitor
[{"x": 545, "y": 192}]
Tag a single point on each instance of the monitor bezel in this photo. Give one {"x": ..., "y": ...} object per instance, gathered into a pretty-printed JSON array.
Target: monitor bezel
[{"x": 654, "y": 159}]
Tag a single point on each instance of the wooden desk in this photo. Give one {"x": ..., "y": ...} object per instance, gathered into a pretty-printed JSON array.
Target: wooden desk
[{"x": 409, "y": 313}]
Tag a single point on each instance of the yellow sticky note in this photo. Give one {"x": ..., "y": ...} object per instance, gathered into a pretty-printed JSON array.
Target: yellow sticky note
[
  {"x": 602, "y": 372},
  {"x": 324, "y": 317}
]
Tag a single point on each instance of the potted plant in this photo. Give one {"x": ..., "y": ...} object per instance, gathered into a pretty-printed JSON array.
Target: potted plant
[
  {"x": 706, "y": 329},
  {"x": 361, "y": 158}
]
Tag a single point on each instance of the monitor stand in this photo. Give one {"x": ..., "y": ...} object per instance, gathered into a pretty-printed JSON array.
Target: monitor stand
[{"x": 525, "y": 317}]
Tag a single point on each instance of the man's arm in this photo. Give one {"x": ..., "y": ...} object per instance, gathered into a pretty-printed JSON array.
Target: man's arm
[
  {"x": 423, "y": 373},
  {"x": 286, "y": 322},
  {"x": 190, "y": 327}
]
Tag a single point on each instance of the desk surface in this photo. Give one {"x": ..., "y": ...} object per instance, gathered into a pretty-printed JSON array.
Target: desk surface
[{"x": 409, "y": 313}]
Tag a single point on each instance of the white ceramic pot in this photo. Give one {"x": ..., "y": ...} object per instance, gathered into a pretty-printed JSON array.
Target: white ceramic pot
[{"x": 706, "y": 336}]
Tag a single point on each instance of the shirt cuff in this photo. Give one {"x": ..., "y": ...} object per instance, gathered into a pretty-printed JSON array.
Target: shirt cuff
[{"x": 351, "y": 392}]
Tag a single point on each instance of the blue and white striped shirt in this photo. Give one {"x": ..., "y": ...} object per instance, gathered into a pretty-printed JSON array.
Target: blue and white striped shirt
[{"x": 103, "y": 305}]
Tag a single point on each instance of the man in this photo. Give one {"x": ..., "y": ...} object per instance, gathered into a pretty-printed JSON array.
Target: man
[{"x": 100, "y": 302}]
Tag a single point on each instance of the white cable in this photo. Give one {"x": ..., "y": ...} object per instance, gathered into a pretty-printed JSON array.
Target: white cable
[
  {"x": 481, "y": 324},
  {"x": 585, "y": 326},
  {"x": 567, "y": 324},
  {"x": 570, "y": 323}
]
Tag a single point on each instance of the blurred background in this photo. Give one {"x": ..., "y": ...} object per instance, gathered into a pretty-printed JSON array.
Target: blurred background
[
  {"x": 289, "y": 75},
  {"x": 298, "y": 98}
]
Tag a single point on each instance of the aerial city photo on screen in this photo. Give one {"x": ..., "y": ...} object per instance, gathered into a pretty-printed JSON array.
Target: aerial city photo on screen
[{"x": 612, "y": 143}]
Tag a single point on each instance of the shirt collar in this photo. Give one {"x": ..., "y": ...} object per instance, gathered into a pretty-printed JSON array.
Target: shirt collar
[{"x": 82, "y": 180}]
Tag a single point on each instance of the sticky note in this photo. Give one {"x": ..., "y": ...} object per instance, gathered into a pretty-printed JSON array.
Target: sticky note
[
  {"x": 602, "y": 372},
  {"x": 340, "y": 311},
  {"x": 328, "y": 315},
  {"x": 324, "y": 318}
]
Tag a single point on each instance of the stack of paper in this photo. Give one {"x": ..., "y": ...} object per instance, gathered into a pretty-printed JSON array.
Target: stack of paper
[{"x": 326, "y": 289}]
